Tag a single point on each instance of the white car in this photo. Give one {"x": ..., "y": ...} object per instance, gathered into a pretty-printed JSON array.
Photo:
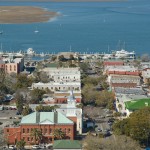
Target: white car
[
  {"x": 12, "y": 147},
  {"x": 36, "y": 147}
]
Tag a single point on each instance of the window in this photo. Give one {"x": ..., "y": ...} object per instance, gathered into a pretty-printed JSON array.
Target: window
[
  {"x": 27, "y": 130},
  {"x": 23, "y": 130},
  {"x": 50, "y": 130},
  {"x": 7, "y": 130},
  {"x": 10, "y": 68},
  {"x": 14, "y": 68},
  {"x": 45, "y": 130},
  {"x": 65, "y": 130},
  {"x": 69, "y": 130},
  {"x": 28, "y": 139}
]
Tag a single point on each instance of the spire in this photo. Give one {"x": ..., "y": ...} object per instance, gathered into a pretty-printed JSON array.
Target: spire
[
  {"x": 71, "y": 96},
  {"x": 71, "y": 100}
]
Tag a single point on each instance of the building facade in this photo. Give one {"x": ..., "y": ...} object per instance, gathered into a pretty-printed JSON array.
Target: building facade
[{"x": 46, "y": 122}]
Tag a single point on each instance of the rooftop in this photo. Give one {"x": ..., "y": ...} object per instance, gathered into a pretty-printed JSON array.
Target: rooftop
[
  {"x": 46, "y": 118},
  {"x": 135, "y": 91}
]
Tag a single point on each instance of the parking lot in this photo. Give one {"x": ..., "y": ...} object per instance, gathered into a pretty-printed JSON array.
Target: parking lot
[{"x": 7, "y": 117}]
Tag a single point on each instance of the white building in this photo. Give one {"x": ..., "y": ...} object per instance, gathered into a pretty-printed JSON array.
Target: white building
[
  {"x": 63, "y": 74},
  {"x": 146, "y": 74},
  {"x": 58, "y": 86}
]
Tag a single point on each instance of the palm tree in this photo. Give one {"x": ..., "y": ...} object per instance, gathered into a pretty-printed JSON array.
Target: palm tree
[
  {"x": 20, "y": 144},
  {"x": 37, "y": 134},
  {"x": 58, "y": 134},
  {"x": 120, "y": 107}
]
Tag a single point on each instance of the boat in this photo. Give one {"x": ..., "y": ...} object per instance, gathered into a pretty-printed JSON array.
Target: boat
[
  {"x": 36, "y": 31},
  {"x": 30, "y": 51},
  {"x": 108, "y": 56},
  {"x": 124, "y": 54}
]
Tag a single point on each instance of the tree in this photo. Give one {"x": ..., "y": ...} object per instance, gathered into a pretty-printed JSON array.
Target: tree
[
  {"x": 137, "y": 126},
  {"x": 36, "y": 95},
  {"x": 19, "y": 102},
  {"x": 53, "y": 58},
  {"x": 61, "y": 58},
  {"x": 104, "y": 97},
  {"x": 120, "y": 143},
  {"x": 71, "y": 57},
  {"x": 27, "y": 110},
  {"x": 84, "y": 66},
  {"x": 37, "y": 134},
  {"x": 58, "y": 134},
  {"x": 20, "y": 144},
  {"x": 23, "y": 81},
  {"x": 3, "y": 88},
  {"x": 145, "y": 57},
  {"x": 88, "y": 93},
  {"x": 120, "y": 107},
  {"x": 42, "y": 108}
]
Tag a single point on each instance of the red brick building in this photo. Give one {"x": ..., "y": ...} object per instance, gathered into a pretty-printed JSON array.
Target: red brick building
[{"x": 46, "y": 122}]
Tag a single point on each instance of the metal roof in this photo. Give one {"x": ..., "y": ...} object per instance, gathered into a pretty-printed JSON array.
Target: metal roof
[{"x": 46, "y": 118}]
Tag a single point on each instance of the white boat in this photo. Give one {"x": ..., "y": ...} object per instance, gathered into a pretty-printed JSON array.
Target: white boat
[
  {"x": 30, "y": 51},
  {"x": 36, "y": 31},
  {"x": 108, "y": 56},
  {"x": 124, "y": 54}
]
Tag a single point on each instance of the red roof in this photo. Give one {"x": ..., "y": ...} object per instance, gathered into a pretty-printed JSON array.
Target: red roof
[{"x": 113, "y": 63}]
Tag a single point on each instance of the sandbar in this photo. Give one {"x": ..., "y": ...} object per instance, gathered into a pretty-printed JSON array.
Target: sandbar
[{"x": 24, "y": 14}]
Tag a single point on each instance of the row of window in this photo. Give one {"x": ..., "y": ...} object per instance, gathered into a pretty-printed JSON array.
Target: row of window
[
  {"x": 10, "y": 68},
  {"x": 73, "y": 88},
  {"x": 46, "y": 130}
]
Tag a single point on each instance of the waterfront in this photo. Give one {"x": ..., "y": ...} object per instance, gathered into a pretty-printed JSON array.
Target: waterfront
[{"x": 86, "y": 27}]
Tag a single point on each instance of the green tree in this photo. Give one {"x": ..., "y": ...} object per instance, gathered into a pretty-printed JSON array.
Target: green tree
[
  {"x": 84, "y": 66},
  {"x": 120, "y": 107},
  {"x": 137, "y": 126},
  {"x": 53, "y": 58},
  {"x": 120, "y": 143},
  {"x": 61, "y": 58},
  {"x": 20, "y": 144},
  {"x": 36, "y": 95},
  {"x": 58, "y": 134},
  {"x": 42, "y": 108},
  {"x": 88, "y": 94},
  {"x": 19, "y": 102},
  {"x": 104, "y": 97},
  {"x": 23, "y": 81},
  {"x": 71, "y": 57},
  {"x": 37, "y": 134},
  {"x": 27, "y": 110}
]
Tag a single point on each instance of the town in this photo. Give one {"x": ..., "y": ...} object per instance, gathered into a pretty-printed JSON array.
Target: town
[{"x": 75, "y": 101}]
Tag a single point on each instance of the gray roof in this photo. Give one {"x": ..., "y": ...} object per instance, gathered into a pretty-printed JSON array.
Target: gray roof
[{"x": 135, "y": 91}]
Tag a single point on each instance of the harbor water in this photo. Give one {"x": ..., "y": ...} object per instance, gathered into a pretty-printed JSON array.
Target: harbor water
[{"x": 82, "y": 27}]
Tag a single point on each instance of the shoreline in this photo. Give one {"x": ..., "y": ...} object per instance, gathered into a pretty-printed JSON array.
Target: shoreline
[{"x": 25, "y": 14}]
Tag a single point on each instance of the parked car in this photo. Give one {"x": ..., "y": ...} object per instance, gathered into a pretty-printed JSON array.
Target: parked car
[
  {"x": 36, "y": 147},
  {"x": 99, "y": 130},
  {"x": 12, "y": 147}
]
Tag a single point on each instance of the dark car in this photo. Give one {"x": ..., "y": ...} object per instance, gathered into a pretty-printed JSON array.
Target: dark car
[{"x": 99, "y": 130}]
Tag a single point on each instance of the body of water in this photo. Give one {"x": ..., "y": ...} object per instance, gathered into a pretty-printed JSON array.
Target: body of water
[{"x": 83, "y": 27}]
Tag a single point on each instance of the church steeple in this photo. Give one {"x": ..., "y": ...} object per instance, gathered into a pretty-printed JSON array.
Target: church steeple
[{"x": 71, "y": 106}]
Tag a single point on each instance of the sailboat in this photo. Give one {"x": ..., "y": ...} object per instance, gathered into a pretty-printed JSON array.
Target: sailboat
[{"x": 36, "y": 31}]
